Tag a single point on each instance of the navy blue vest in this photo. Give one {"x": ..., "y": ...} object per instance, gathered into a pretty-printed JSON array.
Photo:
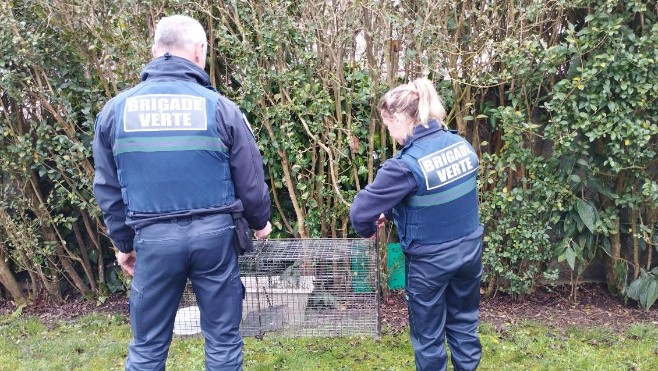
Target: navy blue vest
[
  {"x": 445, "y": 206},
  {"x": 167, "y": 149}
]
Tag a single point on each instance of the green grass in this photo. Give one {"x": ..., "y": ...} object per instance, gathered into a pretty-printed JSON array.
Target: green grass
[
  {"x": 92, "y": 342},
  {"x": 99, "y": 342},
  {"x": 532, "y": 347}
]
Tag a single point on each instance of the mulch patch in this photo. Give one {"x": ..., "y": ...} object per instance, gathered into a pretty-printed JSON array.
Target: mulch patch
[
  {"x": 595, "y": 308},
  {"x": 550, "y": 305},
  {"x": 49, "y": 312}
]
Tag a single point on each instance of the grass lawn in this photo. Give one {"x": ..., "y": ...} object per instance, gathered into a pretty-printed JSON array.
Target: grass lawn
[{"x": 99, "y": 342}]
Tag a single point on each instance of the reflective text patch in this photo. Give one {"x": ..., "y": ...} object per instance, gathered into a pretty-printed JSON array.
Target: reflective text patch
[
  {"x": 447, "y": 165},
  {"x": 158, "y": 112}
]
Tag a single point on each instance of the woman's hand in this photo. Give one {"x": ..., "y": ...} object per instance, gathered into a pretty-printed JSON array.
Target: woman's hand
[{"x": 380, "y": 223}]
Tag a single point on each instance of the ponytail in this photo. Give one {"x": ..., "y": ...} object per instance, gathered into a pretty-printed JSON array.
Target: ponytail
[
  {"x": 430, "y": 106},
  {"x": 417, "y": 99}
]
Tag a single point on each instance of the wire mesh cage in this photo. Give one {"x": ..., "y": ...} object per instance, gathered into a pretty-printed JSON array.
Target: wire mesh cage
[{"x": 303, "y": 287}]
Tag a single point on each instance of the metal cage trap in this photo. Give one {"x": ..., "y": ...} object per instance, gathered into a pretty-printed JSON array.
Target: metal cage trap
[{"x": 303, "y": 287}]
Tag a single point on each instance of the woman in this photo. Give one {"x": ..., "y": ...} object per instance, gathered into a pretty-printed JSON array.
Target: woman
[{"x": 429, "y": 189}]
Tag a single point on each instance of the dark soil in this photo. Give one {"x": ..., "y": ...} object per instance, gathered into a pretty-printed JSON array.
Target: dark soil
[
  {"x": 551, "y": 306},
  {"x": 116, "y": 304}
]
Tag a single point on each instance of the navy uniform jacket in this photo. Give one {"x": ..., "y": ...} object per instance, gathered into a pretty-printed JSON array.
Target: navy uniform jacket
[
  {"x": 429, "y": 189},
  {"x": 222, "y": 175}
]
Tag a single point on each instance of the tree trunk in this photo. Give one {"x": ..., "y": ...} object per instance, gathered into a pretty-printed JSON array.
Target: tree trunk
[
  {"x": 84, "y": 257},
  {"x": 285, "y": 167},
  {"x": 51, "y": 284},
  {"x": 8, "y": 280},
  {"x": 612, "y": 274},
  {"x": 636, "y": 245},
  {"x": 93, "y": 235},
  {"x": 49, "y": 233},
  {"x": 651, "y": 220}
]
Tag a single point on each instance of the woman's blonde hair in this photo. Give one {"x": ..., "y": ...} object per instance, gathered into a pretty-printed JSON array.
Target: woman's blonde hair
[{"x": 417, "y": 99}]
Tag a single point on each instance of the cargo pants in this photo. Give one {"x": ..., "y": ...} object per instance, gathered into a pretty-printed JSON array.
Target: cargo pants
[
  {"x": 168, "y": 253},
  {"x": 443, "y": 298}
]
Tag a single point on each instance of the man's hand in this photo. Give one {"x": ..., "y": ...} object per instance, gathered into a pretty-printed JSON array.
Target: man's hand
[
  {"x": 262, "y": 234},
  {"x": 127, "y": 262}
]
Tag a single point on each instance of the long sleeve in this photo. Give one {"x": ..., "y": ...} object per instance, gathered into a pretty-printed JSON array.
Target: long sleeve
[
  {"x": 106, "y": 183},
  {"x": 246, "y": 167},
  {"x": 391, "y": 185}
]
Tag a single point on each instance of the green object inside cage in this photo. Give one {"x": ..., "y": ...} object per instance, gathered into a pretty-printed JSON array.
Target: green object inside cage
[
  {"x": 395, "y": 266},
  {"x": 360, "y": 267}
]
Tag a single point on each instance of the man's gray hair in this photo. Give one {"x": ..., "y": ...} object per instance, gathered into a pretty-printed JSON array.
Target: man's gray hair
[{"x": 178, "y": 32}]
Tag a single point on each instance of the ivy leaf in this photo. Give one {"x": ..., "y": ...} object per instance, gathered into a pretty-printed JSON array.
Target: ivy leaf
[{"x": 587, "y": 213}]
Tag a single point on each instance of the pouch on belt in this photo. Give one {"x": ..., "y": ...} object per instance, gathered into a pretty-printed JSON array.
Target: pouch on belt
[{"x": 243, "y": 241}]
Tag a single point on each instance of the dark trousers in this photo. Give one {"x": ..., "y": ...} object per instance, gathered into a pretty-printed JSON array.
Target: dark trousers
[
  {"x": 168, "y": 253},
  {"x": 443, "y": 298}
]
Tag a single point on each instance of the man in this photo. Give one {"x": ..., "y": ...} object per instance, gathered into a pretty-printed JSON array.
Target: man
[{"x": 174, "y": 160}]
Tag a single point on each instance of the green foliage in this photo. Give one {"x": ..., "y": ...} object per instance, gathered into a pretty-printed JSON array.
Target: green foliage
[
  {"x": 518, "y": 218},
  {"x": 645, "y": 288},
  {"x": 49, "y": 98},
  {"x": 311, "y": 114},
  {"x": 604, "y": 121}
]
